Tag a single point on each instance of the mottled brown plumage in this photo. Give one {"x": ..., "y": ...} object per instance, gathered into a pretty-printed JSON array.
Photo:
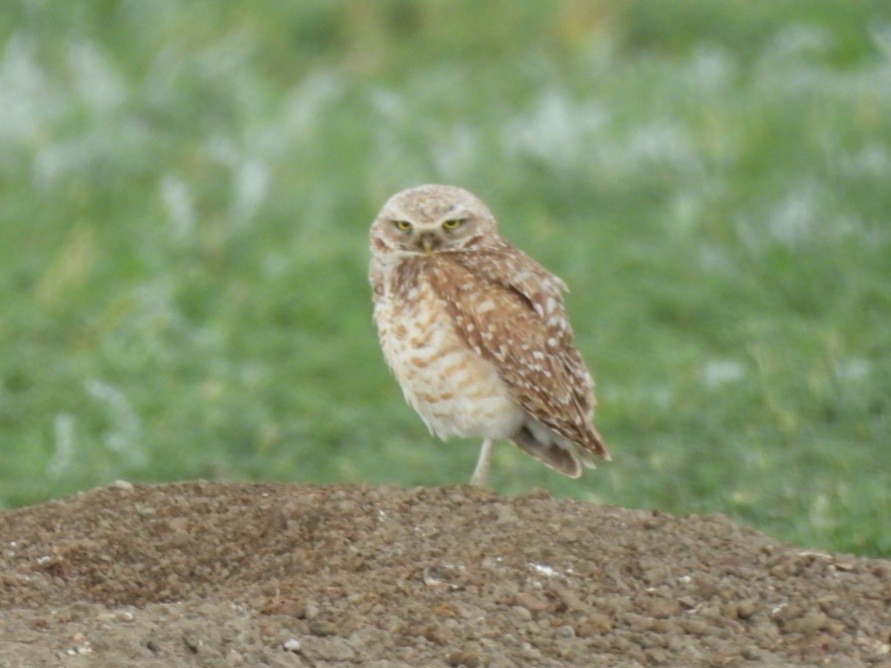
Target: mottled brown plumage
[{"x": 476, "y": 331}]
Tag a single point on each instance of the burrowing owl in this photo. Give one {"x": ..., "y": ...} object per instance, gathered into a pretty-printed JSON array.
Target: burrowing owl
[{"x": 476, "y": 333}]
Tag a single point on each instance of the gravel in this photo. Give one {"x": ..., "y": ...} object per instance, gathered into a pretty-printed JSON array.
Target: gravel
[{"x": 231, "y": 574}]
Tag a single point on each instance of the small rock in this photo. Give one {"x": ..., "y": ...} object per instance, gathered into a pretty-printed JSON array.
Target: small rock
[
  {"x": 310, "y": 610},
  {"x": 330, "y": 650},
  {"x": 746, "y": 608},
  {"x": 536, "y": 494},
  {"x": 531, "y": 602},
  {"x": 439, "y": 635},
  {"x": 663, "y": 626},
  {"x": 445, "y": 610},
  {"x": 763, "y": 656},
  {"x": 730, "y": 610},
  {"x": 521, "y": 612},
  {"x": 193, "y": 642},
  {"x": 656, "y": 575},
  {"x": 663, "y": 607},
  {"x": 687, "y": 601},
  {"x": 596, "y": 624},
  {"x": 783, "y": 612},
  {"x": 836, "y": 628},
  {"x": 637, "y": 622},
  {"x": 292, "y": 645},
  {"x": 504, "y": 513},
  {"x": 601, "y": 623},
  {"x": 695, "y": 627},
  {"x": 178, "y": 524},
  {"x": 569, "y": 600},
  {"x": 828, "y": 602},
  {"x": 468, "y": 659},
  {"x": 566, "y": 631},
  {"x": 234, "y": 658},
  {"x": 707, "y": 590},
  {"x": 808, "y": 625},
  {"x": 293, "y": 607},
  {"x": 116, "y": 616},
  {"x": 657, "y": 656},
  {"x": 322, "y": 627}
]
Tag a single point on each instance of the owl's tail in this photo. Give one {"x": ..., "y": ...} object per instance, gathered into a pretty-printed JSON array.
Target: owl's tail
[
  {"x": 557, "y": 452},
  {"x": 548, "y": 451},
  {"x": 593, "y": 445}
]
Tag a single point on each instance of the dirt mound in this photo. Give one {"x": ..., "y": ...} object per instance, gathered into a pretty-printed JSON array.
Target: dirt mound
[{"x": 207, "y": 574}]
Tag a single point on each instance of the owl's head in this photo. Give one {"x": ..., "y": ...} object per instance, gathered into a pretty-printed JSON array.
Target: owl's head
[{"x": 432, "y": 219}]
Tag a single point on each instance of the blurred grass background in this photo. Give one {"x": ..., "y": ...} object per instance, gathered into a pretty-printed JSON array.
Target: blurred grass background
[{"x": 186, "y": 187}]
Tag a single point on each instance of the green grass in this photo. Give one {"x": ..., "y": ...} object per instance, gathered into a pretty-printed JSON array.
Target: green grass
[{"x": 185, "y": 192}]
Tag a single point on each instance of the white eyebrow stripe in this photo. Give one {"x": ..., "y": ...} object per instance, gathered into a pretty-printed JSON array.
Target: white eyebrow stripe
[{"x": 455, "y": 214}]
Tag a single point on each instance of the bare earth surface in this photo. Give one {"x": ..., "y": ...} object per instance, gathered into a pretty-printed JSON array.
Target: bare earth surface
[{"x": 222, "y": 574}]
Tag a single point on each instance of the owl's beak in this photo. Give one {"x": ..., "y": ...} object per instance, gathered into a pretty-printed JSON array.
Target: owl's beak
[{"x": 428, "y": 242}]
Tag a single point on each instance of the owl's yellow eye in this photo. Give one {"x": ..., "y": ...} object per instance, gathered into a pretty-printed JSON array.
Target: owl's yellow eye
[
  {"x": 402, "y": 225},
  {"x": 453, "y": 224}
]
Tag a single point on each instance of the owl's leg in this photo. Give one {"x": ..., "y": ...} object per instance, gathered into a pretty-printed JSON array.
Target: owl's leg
[{"x": 481, "y": 472}]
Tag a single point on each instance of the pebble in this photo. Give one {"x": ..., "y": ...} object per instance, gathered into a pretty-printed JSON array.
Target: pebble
[
  {"x": 331, "y": 650},
  {"x": 504, "y": 514},
  {"x": 310, "y": 610},
  {"x": 531, "y": 602},
  {"x": 521, "y": 612},
  {"x": 596, "y": 624},
  {"x": 570, "y": 600},
  {"x": 688, "y": 612},
  {"x": 234, "y": 658},
  {"x": 745, "y": 609},
  {"x": 638, "y": 622},
  {"x": 663, "y": 607},
  {"x": 695, "y": 627},
  {"x": 783, "y": 612},
  {"x": 439, "y": 635},
  {"x": 808, "y": 625},
  {"x": 461, "y": 658},
  {"x": 566, "y": 631},
  {"x": 322, "y": 627}
]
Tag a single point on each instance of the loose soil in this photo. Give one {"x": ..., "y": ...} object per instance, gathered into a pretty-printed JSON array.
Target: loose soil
[{"x": 222, "y": 574}]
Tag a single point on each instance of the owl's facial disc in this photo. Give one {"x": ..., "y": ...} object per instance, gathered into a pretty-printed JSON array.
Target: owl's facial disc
[{"x": 428, "y": 236}]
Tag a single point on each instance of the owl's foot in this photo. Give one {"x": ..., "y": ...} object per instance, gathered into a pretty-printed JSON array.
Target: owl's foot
[{"x": 481, "y": 472}]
